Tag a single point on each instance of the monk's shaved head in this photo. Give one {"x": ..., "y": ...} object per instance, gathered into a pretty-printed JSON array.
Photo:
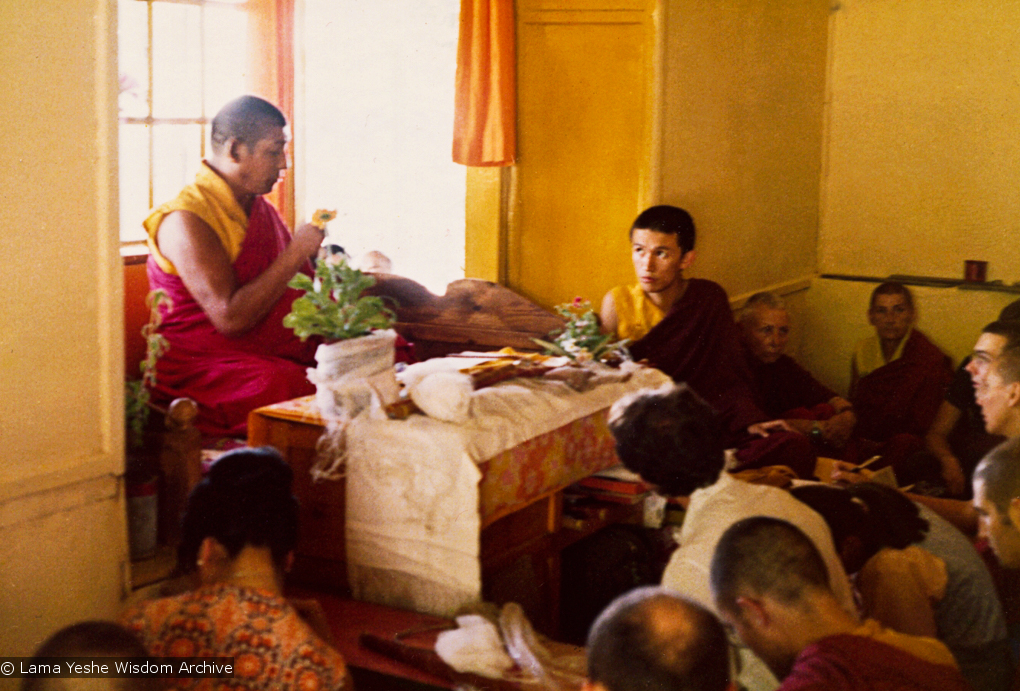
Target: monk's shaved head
[
  {"x": 246, "y": 119},
  {"x": 765, "y": 556},
  {"x": 892, "y": 288}
]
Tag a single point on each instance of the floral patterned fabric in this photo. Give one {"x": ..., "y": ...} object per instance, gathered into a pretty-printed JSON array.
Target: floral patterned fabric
[
  {"x": 272, "y": 647},
  {"x": 545, "y": 463}
]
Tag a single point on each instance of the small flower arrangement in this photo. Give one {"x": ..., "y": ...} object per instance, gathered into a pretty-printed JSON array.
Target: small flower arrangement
[
  {"x": 581, "y": 339},
  {"x": 333, "y": 305}
]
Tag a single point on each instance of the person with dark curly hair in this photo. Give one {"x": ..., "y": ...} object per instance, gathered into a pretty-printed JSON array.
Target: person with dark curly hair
[{"x": 240, "y": 528}]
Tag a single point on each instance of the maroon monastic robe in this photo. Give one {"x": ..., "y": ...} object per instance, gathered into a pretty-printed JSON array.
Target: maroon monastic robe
[
  {"x": 697, "y": 343},
  {"x": 783, "y": 386},
  {"x": 228, "y": 376},
  {"x": 903, "y": 396},
  {"x": 858, "y": 663}
]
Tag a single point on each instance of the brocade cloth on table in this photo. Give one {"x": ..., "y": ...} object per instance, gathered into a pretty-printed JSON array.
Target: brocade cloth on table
[{"x": 419, "y": 490}]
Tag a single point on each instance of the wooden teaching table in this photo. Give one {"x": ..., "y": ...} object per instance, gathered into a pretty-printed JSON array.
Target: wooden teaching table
[{"x": 520, "y": 506}]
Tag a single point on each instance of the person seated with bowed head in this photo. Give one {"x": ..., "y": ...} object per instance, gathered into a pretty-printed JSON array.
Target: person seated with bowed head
[
  {"x": 917, "y": 574},
  {"x": 898, "y": 381},
  {"x": 770, "y": 585},
  {"x": 997, "y": 501},
  {"x": 784, "y": 389},
  {"x": 239, "y": 531},
  {"x": 223, "y": 256},
  {"x": 672, "y": 439},
  {"x": 684, "y": 327},
  {"x": 91, "y": 639},
  {"x": 650, "y": 639}
]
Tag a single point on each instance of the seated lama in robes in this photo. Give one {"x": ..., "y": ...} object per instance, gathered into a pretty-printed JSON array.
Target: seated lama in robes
[
  {"x": 898, "y": 381},
  {"x": 685, "y": 327},
  {"x": 224, "y": 257}
]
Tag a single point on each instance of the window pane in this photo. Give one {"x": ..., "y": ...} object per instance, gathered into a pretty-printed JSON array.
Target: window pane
[
  {"x": 134, "y": 181},
  {"x": 132, "y": 42},
  {"x": 176, "y": 60},
  {"x": 226, "y": 51},
  {"x": 176, "y": 155}
]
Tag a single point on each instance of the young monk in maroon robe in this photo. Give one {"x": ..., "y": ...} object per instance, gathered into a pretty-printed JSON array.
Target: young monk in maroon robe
[
  {"x": 898, "y": 381},
  {"x": 224, "y": 256},
  {"x": 685, "y": 328},
  {"x": 771, "y": 586}
]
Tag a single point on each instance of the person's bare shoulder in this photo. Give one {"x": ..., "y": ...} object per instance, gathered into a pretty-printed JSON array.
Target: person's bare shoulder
[
  {"x": 182, "y": 233},
  {"x": 607, "y": 314}
]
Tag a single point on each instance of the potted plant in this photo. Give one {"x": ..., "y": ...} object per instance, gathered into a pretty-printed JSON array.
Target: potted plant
[
  {"x": 141, "y": 466},
  {"x": 357, "y": 340}
]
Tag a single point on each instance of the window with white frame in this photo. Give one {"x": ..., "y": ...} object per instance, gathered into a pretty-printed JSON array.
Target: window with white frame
[{"x": 180, "y": 61}]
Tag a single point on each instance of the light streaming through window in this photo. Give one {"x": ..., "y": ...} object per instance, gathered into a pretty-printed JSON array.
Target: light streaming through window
[
  {"x": 378, "y": 130},
  {"x": 179, "y": 63}
]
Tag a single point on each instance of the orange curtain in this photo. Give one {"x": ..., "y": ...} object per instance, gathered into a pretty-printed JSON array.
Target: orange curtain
[
  {"x": 271, "y": 69},
  {"x": 485, "y": 109}
]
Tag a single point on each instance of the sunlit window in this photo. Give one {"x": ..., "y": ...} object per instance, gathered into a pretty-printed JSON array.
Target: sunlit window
[
  {"x": 378, "y": 130},
  {"x": 180, "y": 61}
]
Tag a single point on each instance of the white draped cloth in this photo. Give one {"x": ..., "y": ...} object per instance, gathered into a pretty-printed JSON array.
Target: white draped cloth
[{"x": 413, "y": 523}]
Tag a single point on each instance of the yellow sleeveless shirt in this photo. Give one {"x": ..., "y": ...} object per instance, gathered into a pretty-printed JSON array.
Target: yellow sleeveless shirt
[{"x": 635, "y": 313}]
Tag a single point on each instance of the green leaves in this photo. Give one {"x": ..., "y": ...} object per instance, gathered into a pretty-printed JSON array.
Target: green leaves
[
  {"x": 333, "y": 306},
  {"x": 136, "y": 391}
]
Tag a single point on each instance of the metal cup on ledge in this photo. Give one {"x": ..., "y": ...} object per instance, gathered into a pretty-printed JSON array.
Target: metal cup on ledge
[{"x": 975, "y": 271}]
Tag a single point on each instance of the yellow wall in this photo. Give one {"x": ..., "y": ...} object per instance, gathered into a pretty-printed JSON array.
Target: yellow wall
[
  {"x": 923, "y": 157},
  {"x": 586, "y": 132},
  {"x": 741, "y": 144},
  {"x": 62, "y": 537},
  {"x": 737, "y": 118},
  {"x": 921, "y": 167}
]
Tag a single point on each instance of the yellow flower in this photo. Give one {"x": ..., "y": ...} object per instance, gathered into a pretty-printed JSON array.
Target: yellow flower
[{"x": 321, "y": 217}]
